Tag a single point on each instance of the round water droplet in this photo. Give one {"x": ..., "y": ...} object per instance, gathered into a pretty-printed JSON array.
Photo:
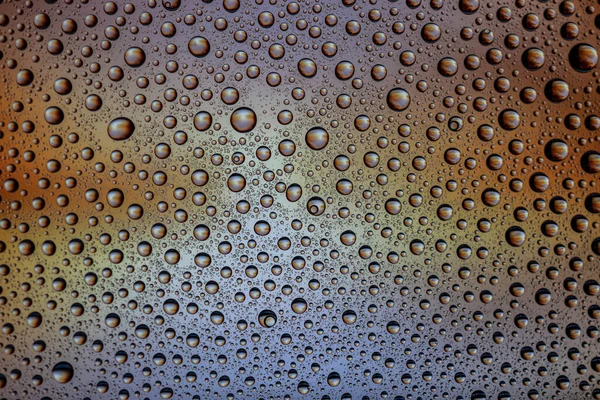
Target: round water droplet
[
  {"x": 63, "y": 372},
  {"x": 121, "y": 128},
  {"x": 199, "y": 46},
  {"x": 317, "y": 138},
  {"x": 398, "y": 99},
  {"x": 135, "y": 57},
  {"x": 243, "y": 119}
]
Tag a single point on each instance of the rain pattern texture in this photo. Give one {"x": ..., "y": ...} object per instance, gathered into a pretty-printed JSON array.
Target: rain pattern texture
[{"x": 320, "y": 199}]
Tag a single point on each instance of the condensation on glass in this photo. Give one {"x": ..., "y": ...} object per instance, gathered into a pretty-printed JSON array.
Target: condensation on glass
[{"x": 334, "y": 199}]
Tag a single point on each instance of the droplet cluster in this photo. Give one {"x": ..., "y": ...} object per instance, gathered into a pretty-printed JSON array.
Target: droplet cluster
[{"x": 279, "y": 199}]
